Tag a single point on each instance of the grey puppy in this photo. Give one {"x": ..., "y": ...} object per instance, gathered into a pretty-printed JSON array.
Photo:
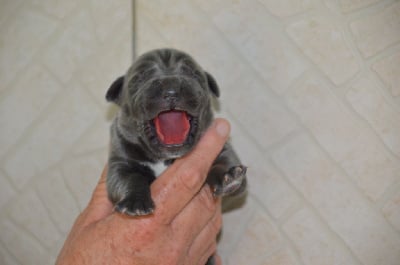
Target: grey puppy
[{"x": 165, "y": 107}]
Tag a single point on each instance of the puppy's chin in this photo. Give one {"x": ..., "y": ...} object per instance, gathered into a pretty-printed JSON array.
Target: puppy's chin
[
  {"x": 172, "y": 152},
  {"x": 168, "y": 141}
]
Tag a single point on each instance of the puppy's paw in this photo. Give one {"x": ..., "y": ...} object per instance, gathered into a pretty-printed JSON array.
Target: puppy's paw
[
  {"x": 233, "y": 182},
  {"x": 134, "y": 206}
]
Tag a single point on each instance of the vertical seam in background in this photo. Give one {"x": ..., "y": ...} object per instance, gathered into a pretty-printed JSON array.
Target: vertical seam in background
[{"x": 133, "y": 24}]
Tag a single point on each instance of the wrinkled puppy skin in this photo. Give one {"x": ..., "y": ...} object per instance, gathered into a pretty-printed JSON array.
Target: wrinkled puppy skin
[
  {"x": 161, "y": 88},
  {"x": 165, "y": 106}
]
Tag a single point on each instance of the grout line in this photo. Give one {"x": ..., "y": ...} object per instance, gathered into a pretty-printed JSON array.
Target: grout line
[
  {"x": 241, "y": 229},
  {"x": 134, "y": 29},
  {"x": 148, "y": 21},
  {"x": 11, "y": 255},
  {"x": 255, "y": 72},
  {"x": 329, "y": 230},
  {"x": 389, "y": 193},
  {"x": 296, "y": 118},
  {"x": 28, "y": 232},
  {"x": 49, "y": 216},
  {"x": 278, "y": 224}
]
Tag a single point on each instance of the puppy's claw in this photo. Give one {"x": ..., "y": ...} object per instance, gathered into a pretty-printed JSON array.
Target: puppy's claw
[
  {"x": 233, "y": 182},
  {"x": 135, "y": 207}
]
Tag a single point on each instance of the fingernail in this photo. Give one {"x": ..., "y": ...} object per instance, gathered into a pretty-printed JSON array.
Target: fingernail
[{"x": 222, "y": 127}]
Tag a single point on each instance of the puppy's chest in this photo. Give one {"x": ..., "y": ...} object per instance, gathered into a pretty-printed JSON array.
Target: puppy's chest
[{"x": 159, "y": 167}]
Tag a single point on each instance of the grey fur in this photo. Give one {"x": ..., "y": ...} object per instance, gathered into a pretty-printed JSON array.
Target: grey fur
[{"x": 159, "y": 81}]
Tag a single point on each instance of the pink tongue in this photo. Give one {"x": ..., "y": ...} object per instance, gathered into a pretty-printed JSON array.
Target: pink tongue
[{"x": 172, "y": 127}]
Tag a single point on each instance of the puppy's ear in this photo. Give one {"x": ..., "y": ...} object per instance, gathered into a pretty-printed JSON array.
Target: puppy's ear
[
  {"x": 212, "y": 84},
  {"x": 114, "y": 92}
]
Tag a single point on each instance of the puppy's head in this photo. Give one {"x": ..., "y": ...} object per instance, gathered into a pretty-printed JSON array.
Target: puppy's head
[{"x": 165, "y": 100}]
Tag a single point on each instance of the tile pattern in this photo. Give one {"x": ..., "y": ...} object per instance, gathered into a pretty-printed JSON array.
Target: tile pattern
[
  {"x": 57, "y": 60},
  {"x": 311, "y": 89}
]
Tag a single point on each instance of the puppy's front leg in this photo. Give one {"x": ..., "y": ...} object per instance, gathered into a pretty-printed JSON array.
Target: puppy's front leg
[
  {"x": 128, "y": 184},
  {"x": 227, "y": 175}
]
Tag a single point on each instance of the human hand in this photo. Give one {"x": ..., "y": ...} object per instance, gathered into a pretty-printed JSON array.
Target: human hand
[{"x": 181, "y": 231}]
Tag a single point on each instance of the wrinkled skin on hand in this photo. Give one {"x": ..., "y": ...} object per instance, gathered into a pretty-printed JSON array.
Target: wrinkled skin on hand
[{"x": 181, "y": 231}]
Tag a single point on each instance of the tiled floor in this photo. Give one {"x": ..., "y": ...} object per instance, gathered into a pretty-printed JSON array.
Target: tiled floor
[
  {"x": 57, "y": 59},
  {"x": 311, "y": 88}
]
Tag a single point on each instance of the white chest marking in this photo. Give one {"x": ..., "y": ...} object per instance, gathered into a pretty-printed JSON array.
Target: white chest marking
[{"x": 158, "y": 167}]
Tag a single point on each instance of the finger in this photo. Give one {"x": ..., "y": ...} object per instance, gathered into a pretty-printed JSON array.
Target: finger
[
  {"x": 195, "y": 216},
  {"x": 99, "y": 205},
  {"x": 209, "y": 254},
  {"x": 183, "y": 179},
  {"x": 207, "y": 237},
  {"x": 217, "y": 259}
]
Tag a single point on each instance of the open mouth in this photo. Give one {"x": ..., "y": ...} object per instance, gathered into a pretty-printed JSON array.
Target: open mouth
[{"x": 173, "y": 127}]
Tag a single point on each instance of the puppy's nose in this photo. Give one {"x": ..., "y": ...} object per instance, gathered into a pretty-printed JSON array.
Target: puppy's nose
[{"x": 171, "y": 93}]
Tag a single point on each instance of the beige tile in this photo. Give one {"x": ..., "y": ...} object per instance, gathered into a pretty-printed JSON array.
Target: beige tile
[
  {"x": 6, "y": 257},
  {"x": 263, "y": 179},
  {"x": 391, "y": 210},
  {"x": 320, "y": 111},
  {"x": 21, "y": 38},
  {"x": 322, "y": 40},
  {"x": 107, "y": 64},
  {"x": 301, "y": 161},
  {"x": 20, "y": 244},
  {"x": 29, "y": 212},
  {"x": 7, "y": 190},
  {"x": 352, "y": 5},
  {"x": 343, "y": 136},
  {"x": 264, "y": 48},
  {"x": 314, "y": 244},
  {"x": 58, "y": 8},
  {"x": 271, "y": 189},
  {"x": 336, "y": 163},
  {"x": 81, "y": 175},
  {"x": 262, "y": 115},
  {"x": 369, "y": 163},
  {"x": 59, "y": 202},
  {"x": 54, "y": 251},
  {"x": 25, "y": 103},
  {"x": 181, "y": 24},
  {"x": 341, "y": 206},
  {"x": 185, "y": 28},
  {"x": 72, "y": 115},
  {"x": 72, "y": 46},
  {"x": 234, "y": 222},
  {"x": 273, "y": 121},
  {"x": 107, "y": 22},
  {"x": 375, "y": 33},
  {"x": 388, "y": 70},
  {"x": 259, "y": 239},
  {"x": 96, "y": 139},
  {"x": 369, "y": 102},
  {"x": 274, "y": 60},
  {"x": 42, "y": 119},
  {"x": 150, "y": 37},
  {"x": 282, "y": 257},
  {"x": 287, "y": 7},
  {"x": 8, "y": 9}
]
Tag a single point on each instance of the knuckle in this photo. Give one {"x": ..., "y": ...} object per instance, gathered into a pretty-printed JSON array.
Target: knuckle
[
  {"x": 210, "y": 252},
  {"x": 206, "y": 199},
  {"x": 191, "y": 177}
]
